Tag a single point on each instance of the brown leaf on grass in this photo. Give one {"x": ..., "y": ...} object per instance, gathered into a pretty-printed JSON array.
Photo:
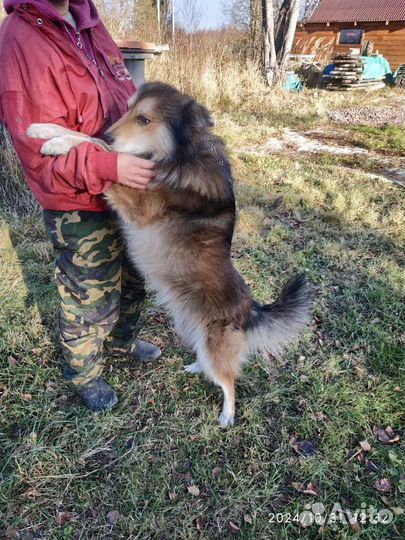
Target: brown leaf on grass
[
  {"x": 216, "y": 471},
  {"x": 62, "y": 518},
  {"x": 383, "y": 485},
  {"x": 113, "y": 517},
  {"x": 319, "y": 415},
  {"x": 309, "y": 489},
  {"x": 172, "y": 495},
  {"x": 233, "y": 528},
  {"x": 27, "y": 396},
  {"x": 200, "y": 523},
  {"x": 304, "y": 447},
  {"x": 12, "y": 361},
  {"x": 30, "y": 493},
  {"x": 386, "y": 436},
  {"x": 365, "y": 445},
  {"x": 10, "y": 533},
  {"x": 193, "y": 490},
  {"x": 355, "y": 526},
  {"x": 4, "y": 393},
  {"x": 248, "y": 519}
]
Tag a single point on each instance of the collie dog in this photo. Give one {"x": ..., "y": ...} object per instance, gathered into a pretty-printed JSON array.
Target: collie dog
[{"x": 179, "y": 234}]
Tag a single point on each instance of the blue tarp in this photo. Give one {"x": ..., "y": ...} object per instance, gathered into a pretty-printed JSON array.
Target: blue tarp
[
  {"x": 293, "y": 83},
  {"x": 375, "y": 67}
]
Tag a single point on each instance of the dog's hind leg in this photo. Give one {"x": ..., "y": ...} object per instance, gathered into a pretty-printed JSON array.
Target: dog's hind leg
[
  {"x": 226, "y": 349},
  {"x": 193, "y": 369}
]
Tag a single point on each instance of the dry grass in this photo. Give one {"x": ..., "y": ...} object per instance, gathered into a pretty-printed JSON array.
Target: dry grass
[{"x": 14, "y": 193}]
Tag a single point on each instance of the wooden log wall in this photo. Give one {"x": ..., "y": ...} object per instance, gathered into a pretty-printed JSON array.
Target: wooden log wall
[{"x": 389, "y": 39}]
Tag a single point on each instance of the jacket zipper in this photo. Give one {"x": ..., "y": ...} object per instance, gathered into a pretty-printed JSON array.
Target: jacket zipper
[{"x": 82, "y": 48}]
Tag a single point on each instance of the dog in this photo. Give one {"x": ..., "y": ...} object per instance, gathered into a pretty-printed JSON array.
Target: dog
[{"x": 179, "y": 234}]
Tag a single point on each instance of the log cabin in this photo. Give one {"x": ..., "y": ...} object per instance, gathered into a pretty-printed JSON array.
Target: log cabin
[{"x": 336, "y": 26}]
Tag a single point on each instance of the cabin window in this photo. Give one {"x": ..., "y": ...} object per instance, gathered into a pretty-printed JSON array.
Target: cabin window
[{"x": 350, "y": 37}]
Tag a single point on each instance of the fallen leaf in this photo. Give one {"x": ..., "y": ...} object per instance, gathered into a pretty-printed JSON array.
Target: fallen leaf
[
  {"x": 309, "y": 489},
  {"x": 365, "y": 445},
  {"x": 193, "y": 490},
  {"x": 12, "y": 361},
  {"x": 304, "y": 447},
  {"x": 304, "y": 378},
  {"x": 382, "y": 485},
  {"x": 113, "y": 516},
  {"x": 216, "y": 471},
  {"x": 397, "y": 510},
  {"x": 248, "y": 519},
  {"x": 200, "y": 523},
  {"x": 62, "y": 518},
  {"x": 30, "y": 493},
  {"x": 27, "y": 397},
  {"x": 11, "y": 533},
  {"x": 172, "y": 495},
  {"x": 355, "y": 526},
  {"x": 233, "y": 528},
  {"x": 4, "y": 393},
  {"x": 320, "y": 416},
  {"x": 386, "y": 436}
]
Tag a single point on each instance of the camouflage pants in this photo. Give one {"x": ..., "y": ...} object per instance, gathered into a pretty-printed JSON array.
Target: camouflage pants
[{"x": 101, "y": 292}]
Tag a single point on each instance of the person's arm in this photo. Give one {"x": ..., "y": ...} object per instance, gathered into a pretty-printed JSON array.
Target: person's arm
[{"x": 86, "y": 168}]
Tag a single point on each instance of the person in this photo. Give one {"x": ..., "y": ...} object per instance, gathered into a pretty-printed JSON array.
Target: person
[{"x": 60, "y": 65}]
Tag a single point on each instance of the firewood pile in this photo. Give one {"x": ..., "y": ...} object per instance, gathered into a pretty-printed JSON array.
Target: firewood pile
[
  {"x": 347, "y": 75},
  {"x": 401, "y": 76}
]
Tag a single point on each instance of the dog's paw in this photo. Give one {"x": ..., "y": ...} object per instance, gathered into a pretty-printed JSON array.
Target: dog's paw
[
  {"x": 226, "y": 420},
  {"x": 44, "y": 131},
  {"x": 58, "y": 146},
  {"x": 193, "y": 368}
]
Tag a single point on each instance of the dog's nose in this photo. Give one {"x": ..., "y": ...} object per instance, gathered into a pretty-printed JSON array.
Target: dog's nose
[{"x": 109, "y": 138}]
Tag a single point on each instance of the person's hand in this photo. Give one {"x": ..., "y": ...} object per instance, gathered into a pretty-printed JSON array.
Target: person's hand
[{"x": 134, "y": 172}]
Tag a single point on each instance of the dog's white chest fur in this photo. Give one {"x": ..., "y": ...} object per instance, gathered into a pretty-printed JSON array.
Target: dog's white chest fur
[
  {"x": 155, "y": 257},
  {"x": 147, "y": 246}
]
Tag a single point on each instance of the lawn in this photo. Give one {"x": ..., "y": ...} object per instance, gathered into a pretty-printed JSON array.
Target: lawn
[{"x": 319, "y": 429}]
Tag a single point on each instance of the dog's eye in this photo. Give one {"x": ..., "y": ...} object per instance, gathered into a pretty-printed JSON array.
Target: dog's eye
[{"x": 142, "y": 120}]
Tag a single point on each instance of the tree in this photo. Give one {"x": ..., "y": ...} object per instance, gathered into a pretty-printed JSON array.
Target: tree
[{"x": 278, "y": 30}]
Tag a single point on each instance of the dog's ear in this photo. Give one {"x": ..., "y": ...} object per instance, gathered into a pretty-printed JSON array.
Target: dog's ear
[{"x": 196, "y": 115}]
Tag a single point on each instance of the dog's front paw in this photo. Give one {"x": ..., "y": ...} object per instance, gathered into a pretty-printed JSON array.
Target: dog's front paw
[
  {"x": 226, "y": 420},
  {"x": 58, "y": 146},
  {"x": 44, "y": 131}
]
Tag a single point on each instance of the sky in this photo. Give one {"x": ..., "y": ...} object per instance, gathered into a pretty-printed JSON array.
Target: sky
[{"x": 211, "y": 12}]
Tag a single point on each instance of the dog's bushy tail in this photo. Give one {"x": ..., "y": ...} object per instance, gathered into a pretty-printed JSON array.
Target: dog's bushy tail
[{"x": 273, "y": 326}]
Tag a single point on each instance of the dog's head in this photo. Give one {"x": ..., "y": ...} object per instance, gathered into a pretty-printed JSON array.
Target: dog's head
[{"x": 161, "y": 123}]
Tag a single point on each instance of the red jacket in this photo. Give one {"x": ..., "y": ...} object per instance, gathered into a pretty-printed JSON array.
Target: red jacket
[{"x": 47, "y": 77}]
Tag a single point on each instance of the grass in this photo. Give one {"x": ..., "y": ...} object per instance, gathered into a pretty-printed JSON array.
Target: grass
[
  {"x": 390, "y": 139},
  {"x": 70, "y": 474}
]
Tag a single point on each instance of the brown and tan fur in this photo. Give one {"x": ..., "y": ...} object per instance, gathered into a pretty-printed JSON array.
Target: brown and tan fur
[{"x": 179, "y": 233}]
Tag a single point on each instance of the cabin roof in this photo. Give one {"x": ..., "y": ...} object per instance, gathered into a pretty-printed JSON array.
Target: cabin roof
[{"x": 358, "y": 10}]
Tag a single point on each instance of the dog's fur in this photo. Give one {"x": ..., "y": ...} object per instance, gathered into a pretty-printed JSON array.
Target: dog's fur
[{"x": 179, "y": 233}]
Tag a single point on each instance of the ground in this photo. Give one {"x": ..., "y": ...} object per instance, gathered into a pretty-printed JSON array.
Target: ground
[{"x": 320, "y": 427}]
